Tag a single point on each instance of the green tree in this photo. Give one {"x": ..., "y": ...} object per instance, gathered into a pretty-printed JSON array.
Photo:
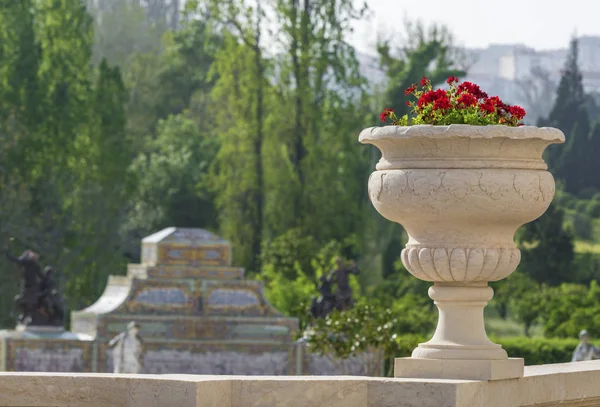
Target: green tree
[
  {"x": 171, "y": 82},
  {"x": 570, "y": 308},
  {"x": 173, "y": 181},
  {"x": 62, "y": 122},
  {"x": 592, "y": 151},
  {"x": 238, "y": 168},
  {"x": 570, "y": 163},
  {"x": 290, "y": 253},
  {"x": 123, "y": 30},
  {"x": 102, "y": 189},
  {"x": 316, "y": 68},
  {"x": 171, "y": 128},
  {"x": 239, "y": 97},
  {"x": 526, "y": 299},
  {"x": 574, "y": 164},
  {"x": 547, "y": 248}
]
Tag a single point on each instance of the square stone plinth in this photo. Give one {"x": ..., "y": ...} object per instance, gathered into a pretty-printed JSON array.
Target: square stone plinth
[{"x": 459, "y": 369}]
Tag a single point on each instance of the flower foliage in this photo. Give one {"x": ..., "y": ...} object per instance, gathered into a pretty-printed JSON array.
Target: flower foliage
[{"x": 462, "y": 103}]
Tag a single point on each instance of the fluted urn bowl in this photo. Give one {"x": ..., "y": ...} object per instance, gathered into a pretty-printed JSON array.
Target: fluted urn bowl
[{"x": 461, "y": 192}]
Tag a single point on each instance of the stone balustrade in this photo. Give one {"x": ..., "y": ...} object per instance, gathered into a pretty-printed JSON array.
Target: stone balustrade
[{"x": 567, "y": 385}]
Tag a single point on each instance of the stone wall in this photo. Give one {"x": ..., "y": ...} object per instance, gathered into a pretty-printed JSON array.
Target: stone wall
[
  {"x": 27, "y": 355},
  {"x": 58, "y": 355},
  {"x": 182, "y": 358},
  {"x": 564, "y": 385},
  {"x": 366, "y": 364}
]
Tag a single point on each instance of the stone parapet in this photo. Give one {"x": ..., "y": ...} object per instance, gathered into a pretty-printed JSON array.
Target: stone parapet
[{"x": 567, "y": 385}]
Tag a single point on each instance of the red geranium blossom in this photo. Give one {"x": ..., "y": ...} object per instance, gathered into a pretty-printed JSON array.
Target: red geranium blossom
[
  {"x": 516, "y": 111},
  {"x": 496, "y": 101},
  {"x": 487, "y": 107},
  {"x": 410, "y": 90},
  {"x": 443, "y": 103},
  {"x": 451, "y": 80},
  {"x": 466, "y": 100},
  {"x": 424, "y": 81},
  {"x": 431, "y": 96},
  {"x": 472, "y": 89},
  {"x": 386, "y": 113}
]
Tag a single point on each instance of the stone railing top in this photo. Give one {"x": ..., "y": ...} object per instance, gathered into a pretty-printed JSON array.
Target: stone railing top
[{"x": 573, "y": 384}]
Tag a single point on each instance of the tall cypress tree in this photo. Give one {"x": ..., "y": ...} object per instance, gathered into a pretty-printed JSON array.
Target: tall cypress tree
[
  {"x": 575, "y": 159},
  {"x": 570, "y": 115},
  {"x": 593, "y": 152}
]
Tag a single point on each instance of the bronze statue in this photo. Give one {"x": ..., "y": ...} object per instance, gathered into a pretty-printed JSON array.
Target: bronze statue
[
  {"x": 343, "y": 294},
  {"x": 342, "y": 298},
  {"x": 322, "y": 306},
  {"x": 39, "y": 302}
]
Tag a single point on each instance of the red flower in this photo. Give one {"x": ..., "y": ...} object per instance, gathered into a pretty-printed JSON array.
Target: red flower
[
  {"x": 516, "y": 111},
  {"x": 461, "y": 103},
  {"x": 490, "y": 105},
  {"x": 487, "y": 106},
  {"x": 431, "y": 96},
  {"x": 466, "y": 100},
  {"x": 442, "y": 103},
  {"x": 496, "y": 101},
  {"x": 472, "y": 89},
  {"x": 386, "y": 113}
]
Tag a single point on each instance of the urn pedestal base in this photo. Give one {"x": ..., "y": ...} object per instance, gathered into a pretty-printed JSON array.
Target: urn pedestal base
[
  {"x": 460, "y": 348},
  {"x": 461, "y": 369}
]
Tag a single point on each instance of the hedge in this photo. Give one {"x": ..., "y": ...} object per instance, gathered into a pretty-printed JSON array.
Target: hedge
[
  {"x": 535, "y": 351},
  {"x": 539, "y": 351}
]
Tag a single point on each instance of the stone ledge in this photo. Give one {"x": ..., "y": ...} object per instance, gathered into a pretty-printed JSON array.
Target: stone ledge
[
  {"x": 501, "y": 369},
  {"x": 571, "y": 384}
]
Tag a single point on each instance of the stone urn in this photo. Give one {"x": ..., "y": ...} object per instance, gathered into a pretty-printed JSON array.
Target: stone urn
[{"x": 461, "y": 192}]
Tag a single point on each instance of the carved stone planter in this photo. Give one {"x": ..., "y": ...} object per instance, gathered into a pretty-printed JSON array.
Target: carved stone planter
[{"x": 461, "y": 192}]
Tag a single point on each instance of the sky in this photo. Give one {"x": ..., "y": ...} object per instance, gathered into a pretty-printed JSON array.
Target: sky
[{"x": 540, "y": 24}]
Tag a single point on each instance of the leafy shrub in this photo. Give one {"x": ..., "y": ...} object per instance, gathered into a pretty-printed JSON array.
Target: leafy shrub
[
  {"x": 291, "y": 266},
  {"x": 538, "y": 351},
  {"x": 370, "y": 325},
  {"x": 593, "y": 207},
  {"x": 289, "y": 253},
  {"x": 570, "y": 308}
]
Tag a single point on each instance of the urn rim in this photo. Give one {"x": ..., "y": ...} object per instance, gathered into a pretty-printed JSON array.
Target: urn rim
[{"x": 550, "y": 134}]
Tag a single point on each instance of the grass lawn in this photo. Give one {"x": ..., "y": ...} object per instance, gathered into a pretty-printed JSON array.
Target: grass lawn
[{"x": 583, "y": 246}]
